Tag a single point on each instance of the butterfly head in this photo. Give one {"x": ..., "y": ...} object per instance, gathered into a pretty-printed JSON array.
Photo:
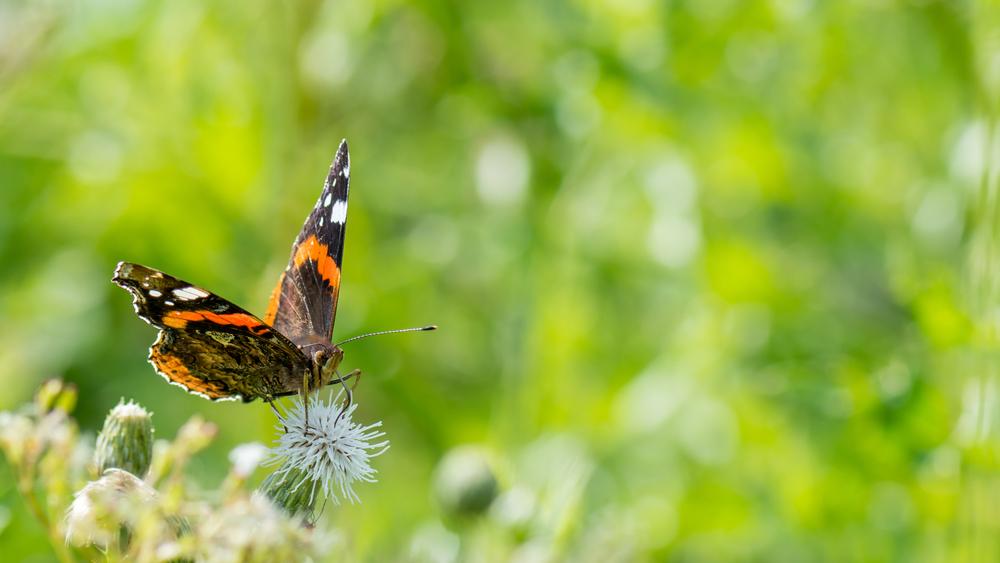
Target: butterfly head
[{"x": 325, "y": 361}]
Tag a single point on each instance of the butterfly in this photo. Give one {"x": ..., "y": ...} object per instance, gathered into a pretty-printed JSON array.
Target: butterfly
[{"x": 213, "y": 348}]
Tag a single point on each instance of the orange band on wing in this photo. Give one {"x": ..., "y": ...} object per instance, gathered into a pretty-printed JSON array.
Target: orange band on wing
[
  {"x": 179, "y": 319},
  {"x": 174, "y": 322},
  {"x": 272, "y": 305},
  {"x": 319, "y": 253},
  {"x": 176, "y": 371}
]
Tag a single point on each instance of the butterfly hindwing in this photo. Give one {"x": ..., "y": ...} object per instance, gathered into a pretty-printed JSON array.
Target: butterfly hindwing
[
  {"x": 207, "y": 344},
  {"x": 304, "y": 302}
]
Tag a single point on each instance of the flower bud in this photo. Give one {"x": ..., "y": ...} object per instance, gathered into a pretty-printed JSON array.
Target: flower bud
[
  {"x": 56, "y": 394},
  {"x": 291, "y": 491},
  {"x": 172, "y": 457},
  {"x": 126, "y": 441},
  {"x": 465, "y": 483}
]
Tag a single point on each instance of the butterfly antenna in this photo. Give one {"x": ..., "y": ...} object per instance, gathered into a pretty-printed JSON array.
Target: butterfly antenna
[{"x": 360, "y": 336}]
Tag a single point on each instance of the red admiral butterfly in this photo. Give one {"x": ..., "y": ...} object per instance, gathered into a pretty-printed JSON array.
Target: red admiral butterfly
[{"x": 215, "y": 349}]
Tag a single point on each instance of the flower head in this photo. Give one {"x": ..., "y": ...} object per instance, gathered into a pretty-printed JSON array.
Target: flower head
[
  {"x": 330, "y": 453},
  {"x": 102, "y": 507},
  {"x": 251, "y": 528}
]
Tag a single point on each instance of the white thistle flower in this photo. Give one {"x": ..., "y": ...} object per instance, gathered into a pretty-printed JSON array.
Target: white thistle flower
[
  {"x": 253, "y": 529},
  {"x": 246, "y": 457},
  {"x": 331, "y": 454},
  {"x": 103, "y": 506}
]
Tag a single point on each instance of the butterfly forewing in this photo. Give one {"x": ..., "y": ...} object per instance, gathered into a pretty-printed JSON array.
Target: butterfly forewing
[{"x": 304, "y": 302}]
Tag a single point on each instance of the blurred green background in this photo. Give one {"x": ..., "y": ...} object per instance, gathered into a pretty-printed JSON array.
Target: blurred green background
[{"x": 713, "y": 277}]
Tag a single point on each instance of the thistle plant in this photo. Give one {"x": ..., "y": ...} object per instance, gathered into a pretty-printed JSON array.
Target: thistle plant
[
  {"x": 40, "y": 441},
  {"x": 138, "y": 504},
  {"x": 327, "y": 453}
]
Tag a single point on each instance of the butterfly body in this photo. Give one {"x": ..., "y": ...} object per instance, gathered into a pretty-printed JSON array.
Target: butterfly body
[{"x": 214, "y": 348}]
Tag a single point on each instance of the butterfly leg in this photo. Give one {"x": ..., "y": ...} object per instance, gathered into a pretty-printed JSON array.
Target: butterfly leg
[
  {"x": 341, "y": 378},
  {"x": 356, "y": 374},
  {"x": 270, "y": 402},
  {"x": 305, "y": 401}
]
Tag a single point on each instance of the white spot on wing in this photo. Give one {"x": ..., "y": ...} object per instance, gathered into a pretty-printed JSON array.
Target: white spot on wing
[
  {"x": 321, "y": 221},
  {"x": 339, "y": 212},
  {"x": 326, "y": 202},
  {"x": 155, "y": 293},
  {"x": 189, "y": 293},
  {"x": 168, "y": 303}
]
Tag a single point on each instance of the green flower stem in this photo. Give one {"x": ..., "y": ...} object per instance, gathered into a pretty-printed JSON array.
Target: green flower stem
[{"x": 55, "y": 538}]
